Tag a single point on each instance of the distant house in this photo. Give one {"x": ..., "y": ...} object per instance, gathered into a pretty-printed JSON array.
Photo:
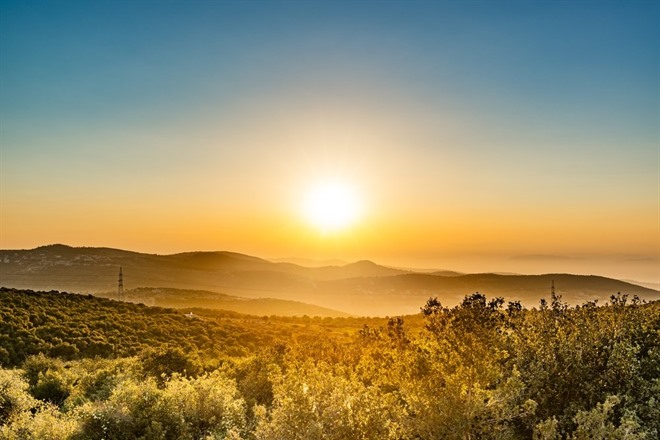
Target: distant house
[{"x": 190, "y": 315}]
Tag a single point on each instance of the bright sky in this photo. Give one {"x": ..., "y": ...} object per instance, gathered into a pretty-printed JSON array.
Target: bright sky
[{"x": 480, "y": 136}]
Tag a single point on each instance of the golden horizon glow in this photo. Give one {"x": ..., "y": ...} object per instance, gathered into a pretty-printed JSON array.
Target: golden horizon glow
[
  {"x": 331, "y": 205},
  {"x": 262, "y": 108}
]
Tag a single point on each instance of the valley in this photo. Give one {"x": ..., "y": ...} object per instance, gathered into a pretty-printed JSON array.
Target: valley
[{"x": 362, "y": 288}]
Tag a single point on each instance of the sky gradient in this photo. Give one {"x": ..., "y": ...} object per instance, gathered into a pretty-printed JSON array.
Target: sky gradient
[{"x": 481, "y": 136}]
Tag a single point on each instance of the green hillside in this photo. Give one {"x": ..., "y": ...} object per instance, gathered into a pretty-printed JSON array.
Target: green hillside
[
  {"x": 72, "y": 326},
  {"x": 80, "y": 367}
]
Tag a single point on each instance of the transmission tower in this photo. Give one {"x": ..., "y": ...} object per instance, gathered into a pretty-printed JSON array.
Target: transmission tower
[
  {"x": 120, "y": 287},
  {"x": 552, "y": 289}
]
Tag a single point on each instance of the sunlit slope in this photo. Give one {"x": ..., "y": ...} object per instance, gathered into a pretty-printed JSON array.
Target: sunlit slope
[
  {"x": 74, "y": 326},
  {"x": 181, "y": 298},
  {"x": 362, "y": 288}
]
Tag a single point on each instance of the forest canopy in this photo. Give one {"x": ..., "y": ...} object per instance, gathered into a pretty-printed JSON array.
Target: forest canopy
[{"x": 80, "y": 367}]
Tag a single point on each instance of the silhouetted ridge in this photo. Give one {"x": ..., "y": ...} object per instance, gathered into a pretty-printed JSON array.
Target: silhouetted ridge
[
  {"x": 363, "y": 264},
  {"x": 362, "y": 287}
]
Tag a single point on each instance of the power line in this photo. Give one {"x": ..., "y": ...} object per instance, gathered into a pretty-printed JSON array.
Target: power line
[{"x": 120, "y": 287}]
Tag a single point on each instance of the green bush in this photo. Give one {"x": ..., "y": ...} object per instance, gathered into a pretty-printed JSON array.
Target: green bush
[{"x": 477, "y": 370}]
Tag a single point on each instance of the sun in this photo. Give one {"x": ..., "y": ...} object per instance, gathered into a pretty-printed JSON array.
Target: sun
[{"x": 331, "y": 205}]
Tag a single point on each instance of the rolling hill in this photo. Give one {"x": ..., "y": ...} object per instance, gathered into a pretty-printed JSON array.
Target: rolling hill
[
  {"x": 361, "y": 288},
  {"x": 181, "y": 298}
]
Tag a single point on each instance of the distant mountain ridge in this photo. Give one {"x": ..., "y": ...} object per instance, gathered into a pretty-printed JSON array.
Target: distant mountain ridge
[
  {"x": 309, "y": 262},
  {"x": 359, "y": 288}
]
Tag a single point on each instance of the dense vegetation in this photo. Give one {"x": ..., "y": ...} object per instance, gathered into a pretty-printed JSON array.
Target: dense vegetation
[
  {"x": 74, "y": 326},
  {"x": 482, "y": 369}
]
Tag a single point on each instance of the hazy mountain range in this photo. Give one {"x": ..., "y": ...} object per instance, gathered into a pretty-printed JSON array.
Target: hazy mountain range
[{"x": 233, "y": 281}]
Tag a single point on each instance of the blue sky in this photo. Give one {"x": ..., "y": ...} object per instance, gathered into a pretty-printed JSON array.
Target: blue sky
[
  {"x": 448, "y": 111},
  {"x": 70, "y": 58}
]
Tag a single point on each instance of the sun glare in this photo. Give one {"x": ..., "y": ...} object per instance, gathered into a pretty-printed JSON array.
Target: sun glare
[{"x": 331, "y": 206}]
